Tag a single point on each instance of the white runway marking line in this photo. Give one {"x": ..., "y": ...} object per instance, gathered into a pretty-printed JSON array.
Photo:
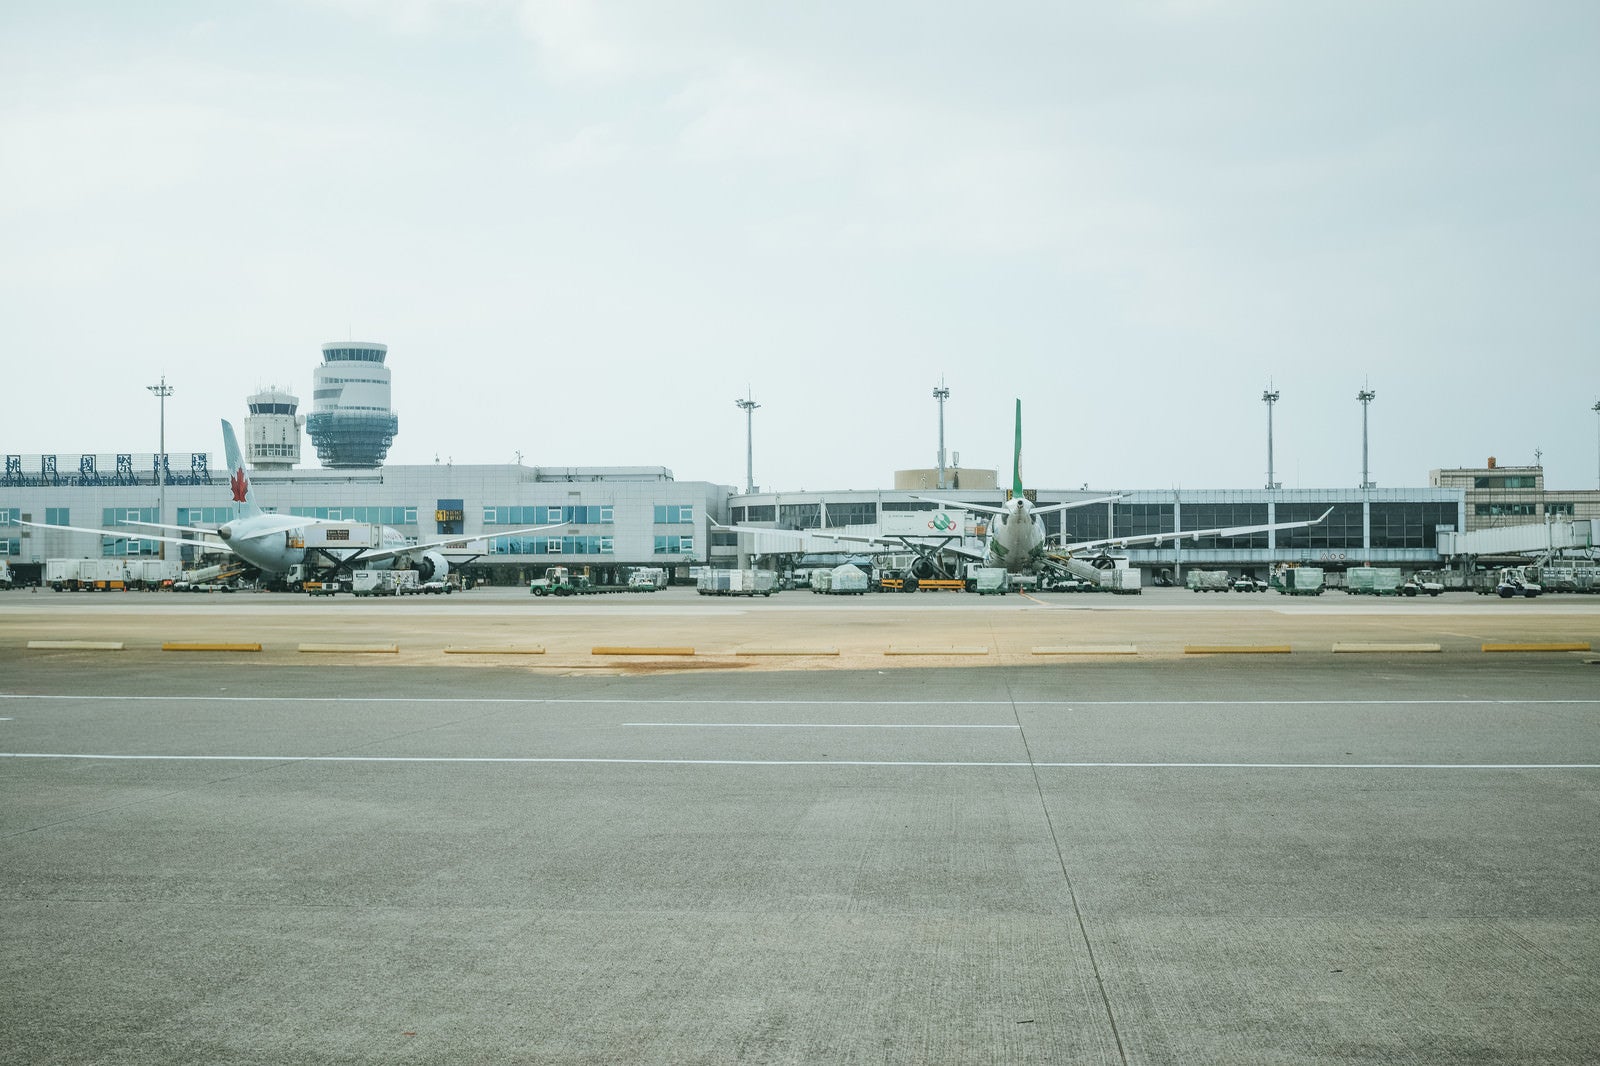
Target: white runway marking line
[
  {"x": 626, "y": 702},
  {"x": 530, "y": 760},
  {"x": 813, "y": 725}
]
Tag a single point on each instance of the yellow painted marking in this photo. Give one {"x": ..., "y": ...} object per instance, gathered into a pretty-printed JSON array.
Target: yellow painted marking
[{"x": 1568, "y": 646}]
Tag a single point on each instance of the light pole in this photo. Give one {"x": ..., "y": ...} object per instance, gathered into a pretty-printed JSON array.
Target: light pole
[
  {"x": 1596, "y": 410},
  {"x": 941, "y": 394},
  {"x": 1270, "y": 397},
  {"x": 1365, "y": 396},
  {"x": 162, "y": 390},
  {"x": 749, "y": 407}
]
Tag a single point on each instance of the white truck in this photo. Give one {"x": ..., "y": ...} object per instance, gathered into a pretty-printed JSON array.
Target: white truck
[
  {"x": 383, "y": 582},
  {"x": 85, "y": 574}
]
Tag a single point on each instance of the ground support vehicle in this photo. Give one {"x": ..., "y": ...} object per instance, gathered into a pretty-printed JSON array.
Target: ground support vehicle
[
  {"x": 1570, "y": 578},
  {"x": 1416, "y": 586},
  {"x": 323, "y": 588},
  {"x": 1208, "y": 581},
  {"x": 846, "y": 580},
  {"x": 382, "y": 582},
  {"x": 434, "y": 588},
  {"x": 647, "y": 579},
  {"x": 1373, "y": 581},
  {"x": 1249, "y": 584},
  {"x": 1298, "y": 580},
  {"x": 565, "y": 581},
  {"x": 988, "y": 580},
  {"x": 85, "y": 575},
  {"x": 6, "y": 580},
  {"x": 737, "y": 583}
]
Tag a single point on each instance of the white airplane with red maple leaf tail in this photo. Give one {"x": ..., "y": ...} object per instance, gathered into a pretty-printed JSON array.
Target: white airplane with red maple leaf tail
[{"x": 275, "y": 543}]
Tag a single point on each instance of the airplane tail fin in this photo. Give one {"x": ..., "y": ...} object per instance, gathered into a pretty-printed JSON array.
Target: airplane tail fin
[
  {"x": 1016, "y": 462},
  {"x": 244, "y": 498}
]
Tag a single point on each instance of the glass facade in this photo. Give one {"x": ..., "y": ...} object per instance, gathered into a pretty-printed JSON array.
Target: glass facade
[
  {"x": 383, "y": 516},
  {"x": 537, "y": 544},
  {"x": 1410, "y": 525},
  {"x": 674, "y": 545},
  {"x": 1141, "y": 519},
  {"x": 550, "y": 514},
  {"x": 58, "y": 516},
  {"x": 674, "y": 514},
  {"x": 1222, "y": 515},
  {"x": 1080, "y": 524},
  {"x": 1341, "y": 532},
  {"x": 852, "y": 514},
  {"x": 1498, "y": 509},
  {"x": 799, "y": 515},
  {"x": 761, "y": 512}
]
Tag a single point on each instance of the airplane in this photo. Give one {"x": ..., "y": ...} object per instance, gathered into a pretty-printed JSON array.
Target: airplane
[
  {"x": 1017, "y": 541},
  {"x": 276, "y": 543}
]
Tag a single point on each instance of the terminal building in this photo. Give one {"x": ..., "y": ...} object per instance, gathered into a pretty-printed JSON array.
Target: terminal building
[{"x": 1372, "y": 527}]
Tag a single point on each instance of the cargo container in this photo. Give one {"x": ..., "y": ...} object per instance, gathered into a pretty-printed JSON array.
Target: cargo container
[
  {"x": 1298, "y": 580},
  {"x": 737, "y": 583},
  {"x": 846, "y": 580},
  {"x": 1209, "y": 581},
  {"x": 1373, "y": 581}
]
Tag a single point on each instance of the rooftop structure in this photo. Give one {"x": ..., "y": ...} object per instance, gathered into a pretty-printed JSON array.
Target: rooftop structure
[{"x": 350, "y": 422}]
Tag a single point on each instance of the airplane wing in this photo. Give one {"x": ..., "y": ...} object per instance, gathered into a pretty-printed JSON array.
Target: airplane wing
[
  {"x": 124, "y": 534},
  {"x": 1052, "y": 508},
  {"x": 170, "y": 525},
  {"x": 988, "y": 509},
  {"x": 956, "y": 505},
  {"x": 1188, "y": 534},
  {"x": 459, "y": 540},
  {"x": 798, "y": 540}
]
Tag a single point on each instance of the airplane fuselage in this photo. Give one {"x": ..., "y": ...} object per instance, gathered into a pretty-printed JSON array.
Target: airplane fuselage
[
  {"x": 275, "y": 550},
  {"x": 1016, "y": 537}
]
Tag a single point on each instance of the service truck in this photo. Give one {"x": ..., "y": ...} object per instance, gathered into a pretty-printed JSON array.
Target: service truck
[
  {"x": 1372, "y": 581},
  {"x": 382, "y": 582},
  {"x": 84, "y": 575}
]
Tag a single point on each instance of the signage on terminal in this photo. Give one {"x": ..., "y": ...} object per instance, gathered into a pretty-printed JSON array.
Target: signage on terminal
[{"x": 442, "y": 515}]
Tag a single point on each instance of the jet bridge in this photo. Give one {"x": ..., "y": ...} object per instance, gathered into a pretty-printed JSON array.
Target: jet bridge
[{"x": 1542, "y": 538}]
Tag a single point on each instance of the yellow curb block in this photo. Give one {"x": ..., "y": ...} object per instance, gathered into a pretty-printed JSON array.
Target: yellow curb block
[
  {"x": 532, "y": 649},
  {"x": 960, "y": 649},
  {"x": 174, "y": 645},
  {"x": 388, "y": 649},
  {"x": 76, "y": 645},
  {"x": 1236, "y": 649},
  {"x": 787, "y": 651},
  {"x": 1572, "y": 646},
  {"x": 640, "y": 651},
  {"x": 1088, "y": 649},
  {"x": 1358, "y": 647}
]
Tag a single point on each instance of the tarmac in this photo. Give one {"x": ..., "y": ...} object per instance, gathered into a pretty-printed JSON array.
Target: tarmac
[{"x": 1157, "y": 855}]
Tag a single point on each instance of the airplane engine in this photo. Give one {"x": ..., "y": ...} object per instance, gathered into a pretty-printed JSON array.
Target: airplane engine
[
  {"x": 923, "y": 568},
  {"x": 432, "y": 567}
]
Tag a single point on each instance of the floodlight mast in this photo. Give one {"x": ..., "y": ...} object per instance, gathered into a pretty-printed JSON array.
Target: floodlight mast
[
  {"x": 1596, "y": 410},
  {"x": 1366, "y": 397},
  {"x": 941, "y": 394},
  {"x": 749, "y": 405},
  {"x": 162, "y": 390},
  {"x": 1270, "y": 397}
]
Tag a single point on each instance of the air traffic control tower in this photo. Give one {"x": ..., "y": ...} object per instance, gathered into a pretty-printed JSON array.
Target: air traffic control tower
[{"x": 350, "y": 422}]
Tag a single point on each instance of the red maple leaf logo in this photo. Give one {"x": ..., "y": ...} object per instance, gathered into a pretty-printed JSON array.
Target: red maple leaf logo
[{"x": 240, "y": 485}]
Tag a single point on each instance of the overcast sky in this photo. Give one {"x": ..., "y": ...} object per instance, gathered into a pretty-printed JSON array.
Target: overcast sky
[{"x": 584, "y": 230}]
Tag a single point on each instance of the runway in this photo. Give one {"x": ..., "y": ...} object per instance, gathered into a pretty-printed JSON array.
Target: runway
[{"x": 1160, "y": 858}]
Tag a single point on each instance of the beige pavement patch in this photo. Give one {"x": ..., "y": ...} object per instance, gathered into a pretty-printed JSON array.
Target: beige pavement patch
[
  {"x": 358, "y": 649},
  {"x": 1088, "y": 649}
]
